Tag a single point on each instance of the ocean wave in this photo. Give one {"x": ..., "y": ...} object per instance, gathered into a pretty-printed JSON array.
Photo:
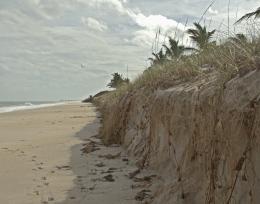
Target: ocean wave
[{"x": 27, "y": 106}]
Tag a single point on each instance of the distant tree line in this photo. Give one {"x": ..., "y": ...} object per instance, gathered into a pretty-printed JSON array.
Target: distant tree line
[{"x": 117, "y": 81}]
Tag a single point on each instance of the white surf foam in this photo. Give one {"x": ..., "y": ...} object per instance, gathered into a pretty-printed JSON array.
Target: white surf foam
[{"x": 28, "y": 106}]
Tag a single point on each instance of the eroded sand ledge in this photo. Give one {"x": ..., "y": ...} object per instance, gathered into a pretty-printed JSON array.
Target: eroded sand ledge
[
  {"x": 42, "y": 162},
  {"x": 201, "y": 137}
]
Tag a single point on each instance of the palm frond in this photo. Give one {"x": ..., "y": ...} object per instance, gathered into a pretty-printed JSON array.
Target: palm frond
[
  {"x": 151, "y": 59},
  {"x": 250, "y": 15},
  {"x": 156, "y": 56},
  {"x": 200, "y": 35},
  {"x": 168, "y": 50}
]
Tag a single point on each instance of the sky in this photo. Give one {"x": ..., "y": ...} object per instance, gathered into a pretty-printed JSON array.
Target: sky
[{"x": 68, "y": 49}]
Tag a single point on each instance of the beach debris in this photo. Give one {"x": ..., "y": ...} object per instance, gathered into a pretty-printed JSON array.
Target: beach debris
[
  {"x": 90, "y": 147},
  {"x": 109, "y": 171},
  {"x": 100, "y": 164},
  {"x": 144, "y": 179},
  {"x": 96, "y": 136},
  {"x": 109, "y": 178},
  {"x": 110, "y": 156},
  {"x": 143, "y": 194},
  {"x": 65, "y": 167},
  {"x": 141, "y": 185},
  {"x": 75, "y": 117},
  {"x": 131, "y": 175},
  {"x": 97, "y": 141},
  {"x": 97, "y": 179},
  {"x": 112, "y": 169},
  {"x": 83, "y": 189},
  {"x": 92, "y": 187},
  {"x": 125, "y": 160}
]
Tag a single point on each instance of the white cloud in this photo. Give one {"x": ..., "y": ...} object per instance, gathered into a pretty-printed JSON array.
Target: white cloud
[
  {"x": 152, "y": 22},
  {"x": 94, "y": 24},
  {"x": 212, "y": 11},
  {"x": 143, "y": 38},
  {"x": 149, "y": 25},
  {"x": 112, "y": 4},
  {"x": 149, "y": 28}
]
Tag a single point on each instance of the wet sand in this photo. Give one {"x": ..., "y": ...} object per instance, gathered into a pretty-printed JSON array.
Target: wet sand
[{"x": 41, "y": 159}]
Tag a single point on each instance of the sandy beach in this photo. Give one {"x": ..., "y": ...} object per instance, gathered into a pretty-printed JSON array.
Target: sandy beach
[{"x": 41, "y": 159}]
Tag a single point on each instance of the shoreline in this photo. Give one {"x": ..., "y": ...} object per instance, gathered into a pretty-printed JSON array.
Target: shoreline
[{"x": 9, "y": 109}]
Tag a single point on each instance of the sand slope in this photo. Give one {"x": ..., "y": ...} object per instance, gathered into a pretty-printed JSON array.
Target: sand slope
[{"x": 41, "y": 159}]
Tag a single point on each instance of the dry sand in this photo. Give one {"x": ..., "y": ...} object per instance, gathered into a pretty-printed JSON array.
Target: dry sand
[{"x": 41, "y": 159}]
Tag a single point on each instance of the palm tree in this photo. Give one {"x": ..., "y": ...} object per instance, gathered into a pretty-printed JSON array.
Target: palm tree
[
  {"x": 256, "y": 14},
  {"x": 174, "y": 50},
  {"x": 117, "y": 80},
  {"x": 201, "y": 36},
  {"x": 240, "y": 38},
  {"x": 158, "y": 57}
]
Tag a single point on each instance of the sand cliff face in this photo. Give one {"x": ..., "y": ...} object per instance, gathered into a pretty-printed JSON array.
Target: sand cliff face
[{"x": 202, "y": 138}]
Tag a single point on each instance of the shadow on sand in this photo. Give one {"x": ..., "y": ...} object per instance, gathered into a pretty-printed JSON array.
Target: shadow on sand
[{"x": 80, "y": 164}]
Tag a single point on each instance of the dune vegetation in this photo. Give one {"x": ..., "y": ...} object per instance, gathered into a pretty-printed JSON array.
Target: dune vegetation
[{"x": 175, "y": 63}]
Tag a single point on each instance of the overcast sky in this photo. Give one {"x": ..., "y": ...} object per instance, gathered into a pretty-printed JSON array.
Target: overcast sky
[{"x": 67, "y": 49}]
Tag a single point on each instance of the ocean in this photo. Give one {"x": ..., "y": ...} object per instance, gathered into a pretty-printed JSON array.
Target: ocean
[{"x": 10, "y": 106}]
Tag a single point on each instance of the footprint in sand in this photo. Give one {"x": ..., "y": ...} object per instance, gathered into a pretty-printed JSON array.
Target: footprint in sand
[
  {"x": 37, "y": 193},
  {"x": 44, "y": 178},
  {"x": 39, "y": 165},
  {"x": 21, "y": 154},
  {"x": 50, "y": 199}
]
